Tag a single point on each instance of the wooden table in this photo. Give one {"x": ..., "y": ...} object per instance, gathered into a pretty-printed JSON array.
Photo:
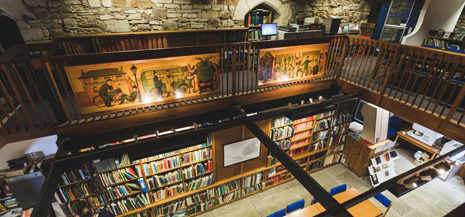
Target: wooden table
[
  {"x": 363, "y": 209},
  {"x": 406, "y": 137}
]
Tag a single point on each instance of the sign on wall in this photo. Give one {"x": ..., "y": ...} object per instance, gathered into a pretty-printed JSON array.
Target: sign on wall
[
  {"x": 241, "y": 151},
  {"x": 101, "y": 87},
  {"x": 284, "y": 64}
]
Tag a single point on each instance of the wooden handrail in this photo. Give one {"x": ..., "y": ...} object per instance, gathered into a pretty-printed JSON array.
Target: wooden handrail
[{"x": 15, "y": 50}]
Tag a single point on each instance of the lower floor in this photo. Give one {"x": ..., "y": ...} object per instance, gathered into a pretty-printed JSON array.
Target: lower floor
[{"x": 436, "y": 198}]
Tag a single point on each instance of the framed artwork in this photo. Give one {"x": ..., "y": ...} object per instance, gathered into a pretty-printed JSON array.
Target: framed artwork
[
  {"x": 280, "y": 65},
  {"x": 241, "y": 151},
  {"x": 101, "y": 87}
]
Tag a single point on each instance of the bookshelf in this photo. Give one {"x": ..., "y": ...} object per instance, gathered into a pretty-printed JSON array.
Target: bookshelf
[
  {"x": 314, "y": 142},
  {"x": 254, "y": 20},
  {"x": 441, "y": 42},
  {"x": 193, "y": 179},
  {"x": 114, "y": 42}
]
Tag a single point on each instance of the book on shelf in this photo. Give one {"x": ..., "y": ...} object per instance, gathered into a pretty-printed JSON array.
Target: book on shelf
[
  {"x": 196, "y": 170},
  {"x": 275, "y": 180},
  {"x": 199, "y": 183},
  {"x": 162, "y": 165},
  {"x": 228, "y": 187},
  {"x": 280, "y": 121},
  {"x": 174, "y": 206},
  {"x": 222, "y": 199},
  {"x": 80, "y": 190},
  {"x": 166, "y": 192},
  {"x": 323, "y": 124},
  {"x": 199, "y": 155},
  {"x": 120, "y": 175},
  {"x": 282, "y": 132},
  {"x": 78, "y": 173},
  {"x": 160, "y": 180},
  {"x": 259, "y": 16}
]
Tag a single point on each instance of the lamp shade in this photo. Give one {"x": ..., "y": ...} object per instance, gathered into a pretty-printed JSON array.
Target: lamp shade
[{"x": 134, "y": 69}]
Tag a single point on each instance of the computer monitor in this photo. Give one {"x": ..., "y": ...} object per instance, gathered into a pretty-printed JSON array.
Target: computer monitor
[{"x": 269, "y": 29}]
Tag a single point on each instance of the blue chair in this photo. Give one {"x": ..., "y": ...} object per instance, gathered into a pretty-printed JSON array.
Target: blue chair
[
  {"x": 279, "y": 213},
  {"x": 295, "y": 206},
  {"x": 314, "y": 198},
  {"x": 385, "y": 201},
  {"x": 338, "y": 189},
  {"x": 394, "y": 125}
]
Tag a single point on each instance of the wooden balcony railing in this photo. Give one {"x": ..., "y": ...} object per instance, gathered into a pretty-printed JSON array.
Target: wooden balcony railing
[{"x": 416, "y": 83}]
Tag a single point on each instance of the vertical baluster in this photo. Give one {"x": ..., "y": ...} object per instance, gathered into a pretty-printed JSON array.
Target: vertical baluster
[
  {"x": 244, "y": 88},
  {"x": 347, "y": 60},
  {"x": 356, "y": 54},
  {"x": 411, "y": 73},
  {"x": 402, "y": 67},
  {"x": 351, "y": 51},
  {"x": 441, "y": 76},
  {"x": 33, "y": 81},
  {"x": 368, "y": 49},
  {"x": 371, "y": 62},
  {"x": 388, "y": 65},
  {"x": 57, "y": 91},
  {"x": 248, "y": 67},
  {"x": 431, "y": 73},
  {"x": 365, "y": 48},
  {"x": 255, "y": 73},
  {"x": 221, "y": 86},
  {"x": 457, "y": 83},
  {"x": 446, "y": 85},
  {"x": 10, "y": 102},
  {"x": 63, "y": 82},
  {"x": 28, "y": 96},
  {"x": 379, "y": 62}
]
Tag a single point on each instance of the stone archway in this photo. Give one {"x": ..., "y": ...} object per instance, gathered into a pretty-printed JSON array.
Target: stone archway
[{"x": 283, "y": 10}]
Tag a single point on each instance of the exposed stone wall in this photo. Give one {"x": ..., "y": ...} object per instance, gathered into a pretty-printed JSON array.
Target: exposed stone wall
[
  {"x": 350, "y": 11},
  {"x": 41, "y": 20}
]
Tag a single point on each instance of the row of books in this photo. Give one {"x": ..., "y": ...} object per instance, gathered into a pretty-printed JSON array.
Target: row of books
[
  {"x": 198, "y": 155},
  {"x": 167, "y": 192},
  {"x": 323, "y": 124},
  {"x": 199, "y": 183},
  {"x": 236, "y": 37},
  {"x": 196, "y": 170},
  {"x": 317, "y": 145},
  {"x": 179, "y": 40},
  {"x": 112, "y": 163},
  {"x": 301, "y": 160},
  {"x": 302, "y": 134},
  {"x": 300, "y": 142},
  {"x": 306, "y": 119},
  {"x": 200, "y": 197},
  {"x": 156, "y": 157},
  {"x": 9, "y": 202},
  {"x": 120, "y": 191},
  {"x": 342, "y": 118},
  {"x": 194, "y": 147},
  {"x": 128, "y": 204},
  {"x": 211, "y": 38},
  {"x": 321, "y": 135},
  {"x": 331, "y": 159},
  {"x": 81, "y": 190},
  {"x": 340, "y": 138},
  {"x": 324, "y": 114},
  {"x": 340, "y": 129},
  {"x": 437, "y": 42},
  {"x": 252, "y": 180},
  {"x": 303, "y": 125},
  {"x": 228, "y": 187},
  {"x": 280, "y": 121},
  {"x": 276, "y": 170},
  {"x": 275, "y": 180},
  {"x": 161, "y": 165},
  {"x": 283, "y": 144},
  {"x": 120, "y": 175},
  {"x": 255, "y": 34},
  {"x": 201, "y": 207},
  {"x": 259, "y": 16},
  {"x": 78, "y": 173},
  {"x": 230, "y": 196},
  {"x": 251, "y": 189},
  {"x": 157, "y": 181},
  {"x": 283, "y": 132}
]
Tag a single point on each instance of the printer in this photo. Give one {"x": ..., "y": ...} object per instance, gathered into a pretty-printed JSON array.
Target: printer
[{"x": 424, "y": 135}]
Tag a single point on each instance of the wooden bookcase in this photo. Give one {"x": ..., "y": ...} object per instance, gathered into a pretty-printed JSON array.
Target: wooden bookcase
[
  {"x": 113, "y": 42},
  {"x": 260, "y": 168},
  {"x": 254, "y": 17},
  {"x": 432, "y": 37},
  {"x": 312, "y": 158}
]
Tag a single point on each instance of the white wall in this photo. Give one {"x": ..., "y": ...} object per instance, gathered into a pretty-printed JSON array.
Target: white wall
[
  {"x": 18, "y": 149},
  {"x": 435, "y": 15}
]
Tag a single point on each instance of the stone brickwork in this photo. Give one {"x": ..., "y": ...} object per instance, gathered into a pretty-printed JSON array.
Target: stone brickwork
[{"x": 41, "y": 20}]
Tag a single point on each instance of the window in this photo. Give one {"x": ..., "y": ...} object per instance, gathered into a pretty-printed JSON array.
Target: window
[{"x": 396, "y": 20}]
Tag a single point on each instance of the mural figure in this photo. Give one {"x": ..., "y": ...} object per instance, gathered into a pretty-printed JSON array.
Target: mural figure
[
  {"x": 131, "y": 97},
  {"x": 158, "y": 84},
  {"x": 106, "y": 92},
  {"x": 278, "y": 65},
  {"x": 100, "y": 87},
  {"x": 169, "y": 82}
]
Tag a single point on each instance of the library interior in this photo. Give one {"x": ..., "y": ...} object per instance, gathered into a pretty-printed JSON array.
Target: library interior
[{"x": 225, "y": 108}]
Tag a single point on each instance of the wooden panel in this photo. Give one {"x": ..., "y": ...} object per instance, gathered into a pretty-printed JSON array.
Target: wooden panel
[
  {"x": 260, "y": 161},
  {"x": 221, "y": 138}
]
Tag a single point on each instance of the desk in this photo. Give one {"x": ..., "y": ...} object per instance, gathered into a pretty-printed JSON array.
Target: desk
[
  {"x": 363, "y": 209},
  {"x": 427, "y": 148}
]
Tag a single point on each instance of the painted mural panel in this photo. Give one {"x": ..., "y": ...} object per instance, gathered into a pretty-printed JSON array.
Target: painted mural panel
[
  {"x": 278, "y": 65},
  {"x": 102, "y": 87}
]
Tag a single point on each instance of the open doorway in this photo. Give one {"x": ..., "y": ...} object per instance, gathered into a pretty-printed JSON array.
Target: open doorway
[{"x": 10, "y": 33}]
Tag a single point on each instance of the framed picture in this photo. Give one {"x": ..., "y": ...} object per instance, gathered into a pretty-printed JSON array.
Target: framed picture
[
  {"x": 111, "y": 86},
  {"x": 241, "y": 151},
  {"x": 294, "y": 63}
]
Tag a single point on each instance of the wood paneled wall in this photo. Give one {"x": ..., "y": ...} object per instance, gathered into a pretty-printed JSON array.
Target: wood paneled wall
[{"x": 224, "y": 137}]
